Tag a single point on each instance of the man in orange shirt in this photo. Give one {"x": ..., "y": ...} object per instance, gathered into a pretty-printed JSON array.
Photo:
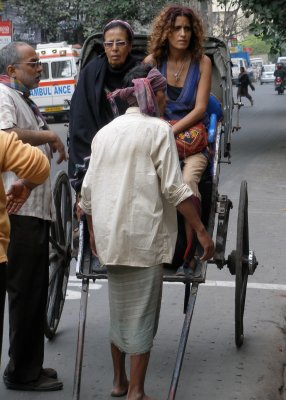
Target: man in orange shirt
[{"x": 32, "y": 167}]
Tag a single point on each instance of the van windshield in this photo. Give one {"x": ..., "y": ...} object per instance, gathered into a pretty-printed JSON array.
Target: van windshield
[
  {"x": 62, "y": 69},
  {"x": 45, "y": 72},
  {"x": 256, "y": 63}
]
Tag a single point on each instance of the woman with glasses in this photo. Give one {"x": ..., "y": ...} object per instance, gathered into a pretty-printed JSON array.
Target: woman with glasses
[
  {"x": 90, "y": 110},
  {"x": 176, "y": 48}
]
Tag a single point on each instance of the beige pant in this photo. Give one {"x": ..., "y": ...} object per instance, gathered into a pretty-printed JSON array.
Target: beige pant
[{"x": 193, "y": 170}]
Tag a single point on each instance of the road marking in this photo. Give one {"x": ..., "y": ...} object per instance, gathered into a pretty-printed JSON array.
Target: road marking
[
  {"x": 75, "y": 282},
  {"x": 250, "y": 285}
]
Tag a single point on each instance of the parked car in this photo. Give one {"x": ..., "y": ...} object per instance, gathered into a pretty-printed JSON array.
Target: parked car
[{"x": 267, "y": 74}]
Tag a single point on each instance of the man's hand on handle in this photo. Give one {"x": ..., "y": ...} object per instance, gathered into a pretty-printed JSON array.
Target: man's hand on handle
[
  {"x": 91, "y": 235},
  {"x": 187, "y": 209},
  {"x": 57, "y": 146},
  {"x": 207, "y": 244}
]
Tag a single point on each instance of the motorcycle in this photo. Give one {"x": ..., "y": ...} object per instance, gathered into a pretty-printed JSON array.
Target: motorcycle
[{"x": 279, "y": 85}]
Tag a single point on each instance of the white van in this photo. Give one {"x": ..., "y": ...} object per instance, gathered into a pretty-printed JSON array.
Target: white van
[
  {"x": 282, "y": 60},
  {"x": 60, "y": 68}
]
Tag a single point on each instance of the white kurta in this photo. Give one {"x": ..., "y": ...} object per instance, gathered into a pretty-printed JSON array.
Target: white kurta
[{"x": 131, "y": 188}]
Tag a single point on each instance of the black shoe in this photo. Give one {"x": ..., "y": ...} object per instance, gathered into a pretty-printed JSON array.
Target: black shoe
[
  {"x": 49, "y": 372},
  {"x": 43, "y": 384}
]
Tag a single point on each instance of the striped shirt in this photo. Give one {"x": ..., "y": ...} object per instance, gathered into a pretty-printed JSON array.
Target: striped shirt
[{"x": 15, "y": 113}]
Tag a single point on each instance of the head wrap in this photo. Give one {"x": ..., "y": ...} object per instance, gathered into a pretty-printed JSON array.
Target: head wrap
[
  {"x": 119, "y": 22},
  {"x": 143, "y": 92}
]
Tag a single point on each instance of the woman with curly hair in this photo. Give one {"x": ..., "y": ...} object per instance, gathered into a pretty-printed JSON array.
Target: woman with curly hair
[{"x": 176, "y": 49}]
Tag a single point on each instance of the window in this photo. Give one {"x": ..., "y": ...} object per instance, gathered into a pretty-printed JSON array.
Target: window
[
  {"x": 269, "y": 68},
  {"x": 62, "y": 69},
  {"x": 45, "y": 72}
]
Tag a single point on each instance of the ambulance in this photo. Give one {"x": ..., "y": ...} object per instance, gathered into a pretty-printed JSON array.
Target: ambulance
[{"x": 58, "y": 80}]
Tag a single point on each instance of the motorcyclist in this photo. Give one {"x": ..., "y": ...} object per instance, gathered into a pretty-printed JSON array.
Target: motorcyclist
[{"x": 280, "y": 72}]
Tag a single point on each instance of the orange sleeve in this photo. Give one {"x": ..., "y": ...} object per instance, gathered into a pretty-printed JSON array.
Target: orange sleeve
[{"x": 26, "y": 161}]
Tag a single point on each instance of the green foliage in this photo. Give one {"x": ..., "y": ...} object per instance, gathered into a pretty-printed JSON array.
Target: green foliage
[
  {"x": 98, "y": 12},
  {"x": 268, "y": 20},
  {"x": 47, "y": 15},
  {"x": 258, "y": 45},
  {"x": 55, "y": 16}
]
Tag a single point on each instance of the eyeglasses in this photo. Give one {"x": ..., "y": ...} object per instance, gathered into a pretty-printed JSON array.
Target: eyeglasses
[
  {"x": 33, "y": 64},
  {"x": 119, "y": 43}
]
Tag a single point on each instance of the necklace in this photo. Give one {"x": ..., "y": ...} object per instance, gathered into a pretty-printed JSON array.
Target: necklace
[{"x": 177, "y": 74}]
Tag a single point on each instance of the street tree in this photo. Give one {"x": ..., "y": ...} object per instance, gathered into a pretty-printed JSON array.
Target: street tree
[
  {"x": 268, "y": 20},
  {"x": 48, "y": 15},
  {"x": 97, "y": 13},
  {"x": 87, "y": 16},
  {"x": 228, "y": 20},
  {"x": 257, "y": 45}
]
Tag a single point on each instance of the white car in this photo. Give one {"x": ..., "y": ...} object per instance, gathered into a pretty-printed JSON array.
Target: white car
[{"x": 267, "y": 74}]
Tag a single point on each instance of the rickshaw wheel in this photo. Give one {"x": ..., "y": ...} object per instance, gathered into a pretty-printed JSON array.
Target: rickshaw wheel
[
  {"x": 241, "y": 263},
  {"x": 60, "y": 253}
]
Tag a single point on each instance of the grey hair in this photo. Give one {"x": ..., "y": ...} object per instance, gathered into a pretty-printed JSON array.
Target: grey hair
[{"x": 9, "y": 55}]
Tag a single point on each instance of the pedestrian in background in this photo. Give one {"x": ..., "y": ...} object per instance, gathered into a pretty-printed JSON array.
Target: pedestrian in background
[
  {"x": 27, "y": 271},
  {"x": 243, "y": 83}
]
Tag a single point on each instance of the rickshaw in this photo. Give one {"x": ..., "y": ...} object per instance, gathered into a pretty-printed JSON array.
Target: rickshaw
[{"x": 241, "y": 262}]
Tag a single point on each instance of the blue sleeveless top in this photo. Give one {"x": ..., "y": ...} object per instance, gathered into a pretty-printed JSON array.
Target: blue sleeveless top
[{"x": 179, "y": 108}]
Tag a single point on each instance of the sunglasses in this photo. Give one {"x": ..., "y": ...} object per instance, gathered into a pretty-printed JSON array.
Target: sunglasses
[
  {"x": 33, "y": 64},
  {"x": 119, "y": 43}
]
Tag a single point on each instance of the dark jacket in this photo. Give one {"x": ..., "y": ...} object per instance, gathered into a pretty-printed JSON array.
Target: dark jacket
[
  {"x": 244, "y": 80},
  {"x": 281, "y": 73},
  {"x": 243, "y": 83},
  {"x": 89, "y": 111}
]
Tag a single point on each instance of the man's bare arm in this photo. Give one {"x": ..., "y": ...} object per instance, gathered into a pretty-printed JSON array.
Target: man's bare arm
[
  {"x": 91, "y": 235},
  {"x": 36, "y": 138},
  {"x": 187, "y": 209}
]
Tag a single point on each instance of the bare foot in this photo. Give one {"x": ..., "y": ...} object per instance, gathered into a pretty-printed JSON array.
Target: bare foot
[
  {"x": 139, "y": 397},
  {"x": 120, "y": 390}
]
